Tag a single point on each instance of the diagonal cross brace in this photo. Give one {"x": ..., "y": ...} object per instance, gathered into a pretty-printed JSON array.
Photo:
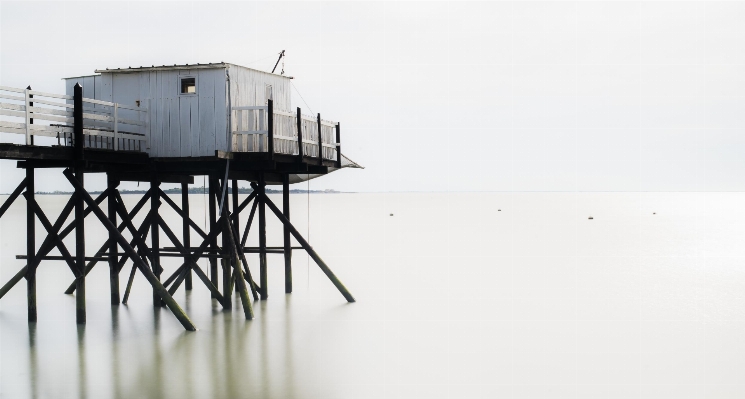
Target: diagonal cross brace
[
  {"x": 12, "y": 197},
  {"x": 157, "y": 286},
  {"x": 308, "y": 249},
  {"x": 181, "y": 213},
  {"x": 52, "y": 232}
]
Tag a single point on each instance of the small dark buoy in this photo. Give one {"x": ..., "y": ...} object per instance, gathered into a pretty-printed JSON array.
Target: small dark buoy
[
  {"x": 590, "y": 218},
  {"x": 499, "y": 210},
  {"x": 654, "y": 213},
  {"x": 391, "y": 214}
]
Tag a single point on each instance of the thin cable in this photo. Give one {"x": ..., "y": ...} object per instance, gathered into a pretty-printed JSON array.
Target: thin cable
[{"x": 301, "y": 97}]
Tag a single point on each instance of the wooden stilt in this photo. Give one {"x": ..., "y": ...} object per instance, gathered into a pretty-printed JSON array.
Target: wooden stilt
[
  {"x": 308, "y": 249},
  {"x": 242, "y": 290},
  {"x": 262, "y": 239},
  {"x": 113, "y": 247},
  {"x": 186, "y": 228},
  {"x": 248, "y": 223},
  {"x": 227, "y": 290},
  {"x": 149, "y": 275},
  {"x": 212, "y": 220},
  {"x": 30, "y": 247},
  {"x": 247, "y": 274},
  {"x": 287, "y": 242},
  {"x": 80, "y": 204},
  {"x": 155, "y": 235}
]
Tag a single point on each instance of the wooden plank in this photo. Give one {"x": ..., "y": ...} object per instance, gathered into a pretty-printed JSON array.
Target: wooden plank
[
  {"x": 184, "y": 103},
  {"x": 13, "y": 89},
  {"x": 52, "y": 95},
  {"x": 174, "y": 132},
  {"x": 156, "y": 133},
  {"x": 207, "y": 111},
  {"x": 221, "y": 113},
  {"x": 11, "y": 97},
  {"x": 250, "y": 108},
  {"x": 153, "y": 110}
]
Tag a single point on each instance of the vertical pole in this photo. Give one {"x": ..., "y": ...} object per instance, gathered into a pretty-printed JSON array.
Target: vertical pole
[
  {"x": 30, "y": 247},
  {"x": 338, "y": 146},
  {"x": 270, "y": 127},
  {"x": 27, "y": 105},
  {"x": 262, "y": 238},
  {"x": 186, "y": 229},
  {"x": 79, "y": 204},
  {"x": 235, "y": 220},
  {"x": 226, "y": 260},
  {"x": 29, "y": 113},
  {"x": 320, "y": 142},
  {"x": 299, "y": 134},
  {"x": 113, "y": 245},
  {"x": 155, "y": 234},
  {"x": 213, "y": 223},
  {"x": 288, "y": 244}
]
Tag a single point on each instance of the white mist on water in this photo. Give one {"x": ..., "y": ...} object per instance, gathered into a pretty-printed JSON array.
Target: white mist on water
[{"x": 470, "y": 295}]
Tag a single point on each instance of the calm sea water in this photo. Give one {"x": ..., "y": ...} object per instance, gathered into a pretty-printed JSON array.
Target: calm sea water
[{"x": 458, "y": 296}]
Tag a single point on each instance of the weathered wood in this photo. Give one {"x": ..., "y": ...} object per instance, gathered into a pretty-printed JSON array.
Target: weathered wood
[
  {"x": 79, "y": 205},
  {"x": 181, "y": 212},
  {"x": 30, "y": 246},
  {"x": 247, "y": 274},
  {"x": 13, "y": 281},
  {"x": 186, "y": 230},
  {"x": 320, "y": 141},
  {"x": 170, "y": 302},
  {"x": 270, "y": 127},
  {"x": 308, "y": 249},
  {"x": 338, "y": 146},
  {"x": 52, "y": 233},
  {"x": 242, "y": 290},
  {"x": 13, "y": 196},
  {"x": 248, "y": 223},
  {"x": 262, "y": 239},
  {"x": 113, "y": 247},
  {"x": 244, "y": 204},
  {"x": 227, "y": 291},
  {"x": 105, "y": 245},
  {"x": 155, "y": 235},
  {"x": 213, "y": 227},
  {"x": 129, "y": 284},
  {"x": 287, "y": 241},
  {"x": 299, "y": 134}
]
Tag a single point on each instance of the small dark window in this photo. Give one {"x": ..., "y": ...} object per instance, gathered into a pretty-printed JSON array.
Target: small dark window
[{"x": 188, "y": 85}]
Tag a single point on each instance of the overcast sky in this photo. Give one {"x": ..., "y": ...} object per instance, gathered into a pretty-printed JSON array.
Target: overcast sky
[{"x": 446, "y": 96}]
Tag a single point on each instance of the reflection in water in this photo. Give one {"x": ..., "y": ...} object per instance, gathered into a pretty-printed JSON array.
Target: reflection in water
[
  {"x": 82, "y": 365},
  {"x": 33, "y": 361}
]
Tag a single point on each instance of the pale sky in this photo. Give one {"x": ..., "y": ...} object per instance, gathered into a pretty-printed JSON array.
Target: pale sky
[{"x": 445, "y": 96}]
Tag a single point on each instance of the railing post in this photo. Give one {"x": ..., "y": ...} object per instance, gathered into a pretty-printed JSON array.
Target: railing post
[
  {"x": 338, "y": 145},
  {"x": 77, "y": 117},
  {"x": 270, "y": 128},
  {"x": 116, "y": 127},
  {"x": 28, "y": 113},
  {"x": 299, "y": 134},
  {"x": 320, "y": 142},
  {"x": 27, "y": 103}
]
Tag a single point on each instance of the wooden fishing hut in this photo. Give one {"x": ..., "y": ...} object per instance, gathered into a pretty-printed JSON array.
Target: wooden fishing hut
[{"x": 167, "y": 124}]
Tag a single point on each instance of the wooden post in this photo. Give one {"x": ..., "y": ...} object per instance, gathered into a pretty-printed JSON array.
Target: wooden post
[
  {"x": 113, "y": 246},
  {"x": 29, "y": 113},
  {"x": 235, "y": 217},
  {"x": 270, "y": 127},
  {"x": 79, "y": 203},
  {"x": 299, "y": 134},
  {"x": 262, "y": 239},
  {"x": 227, "y": 288},
  {"x": 213, "y": 223},
  {"x": 320, "y": 142},
  {"x": 288, "y": 244},
  {"x": 335, "y": 280},
  {"x": 155, "y": 235},
  {"x": 186, "y": 229},
  {"x": 170, "y": 302},
  {"x": 338, "y": 146},
  {"x": 30, "y": 247}
]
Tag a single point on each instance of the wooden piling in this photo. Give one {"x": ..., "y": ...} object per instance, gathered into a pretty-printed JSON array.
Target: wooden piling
[
  {"x": 167, "y": 298},
  {"x": 308, "y": 249},
  {"x": 287, "y": 242},
  {"x": 79, "y": 204},
  {"x": 30, "y": 247},
  {"x": 186, "y": 229},
  {"x": 226, "y": 260},
  {"x": 262, "y": 239},
  {"x": 155, "y": 235},
  {"x": 113, "y": 247},
  {"x": 213, "y": 221},
  {"x": 242, "y": 289}
]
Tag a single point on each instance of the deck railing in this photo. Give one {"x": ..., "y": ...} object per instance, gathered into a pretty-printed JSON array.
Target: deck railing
[
  {"x": 102, "y": 125},
  {"x": 255, "y": 127}
]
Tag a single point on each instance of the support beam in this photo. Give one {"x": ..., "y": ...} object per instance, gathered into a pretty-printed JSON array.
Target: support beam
[
  {"x": 186, "y": 228},
  {"x": 30, "y": 247},
  {"x": 248, "y": 223},
  {"x": 241, "y": 284},
  {"x": 155, "y": 235},
  {"x": 79, "y": 184},
  {"x": 170, "y": 302},
  {"x": 213, "y": 226},
  {"x": 247, "y": 274},
  {"x": 262, "y": 239},
  {"x": 113, "y": 247},
  {"x": 13, "y": 196},
  {"x": 181, "y": 213},
  {"x": 287, "y": 242},
  {"x": 227, "y": 289},
  {"x": 308, "y": 249}
]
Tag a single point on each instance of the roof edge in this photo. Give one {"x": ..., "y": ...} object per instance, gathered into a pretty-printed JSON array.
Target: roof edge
[{"x": 164, "y": 68}]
